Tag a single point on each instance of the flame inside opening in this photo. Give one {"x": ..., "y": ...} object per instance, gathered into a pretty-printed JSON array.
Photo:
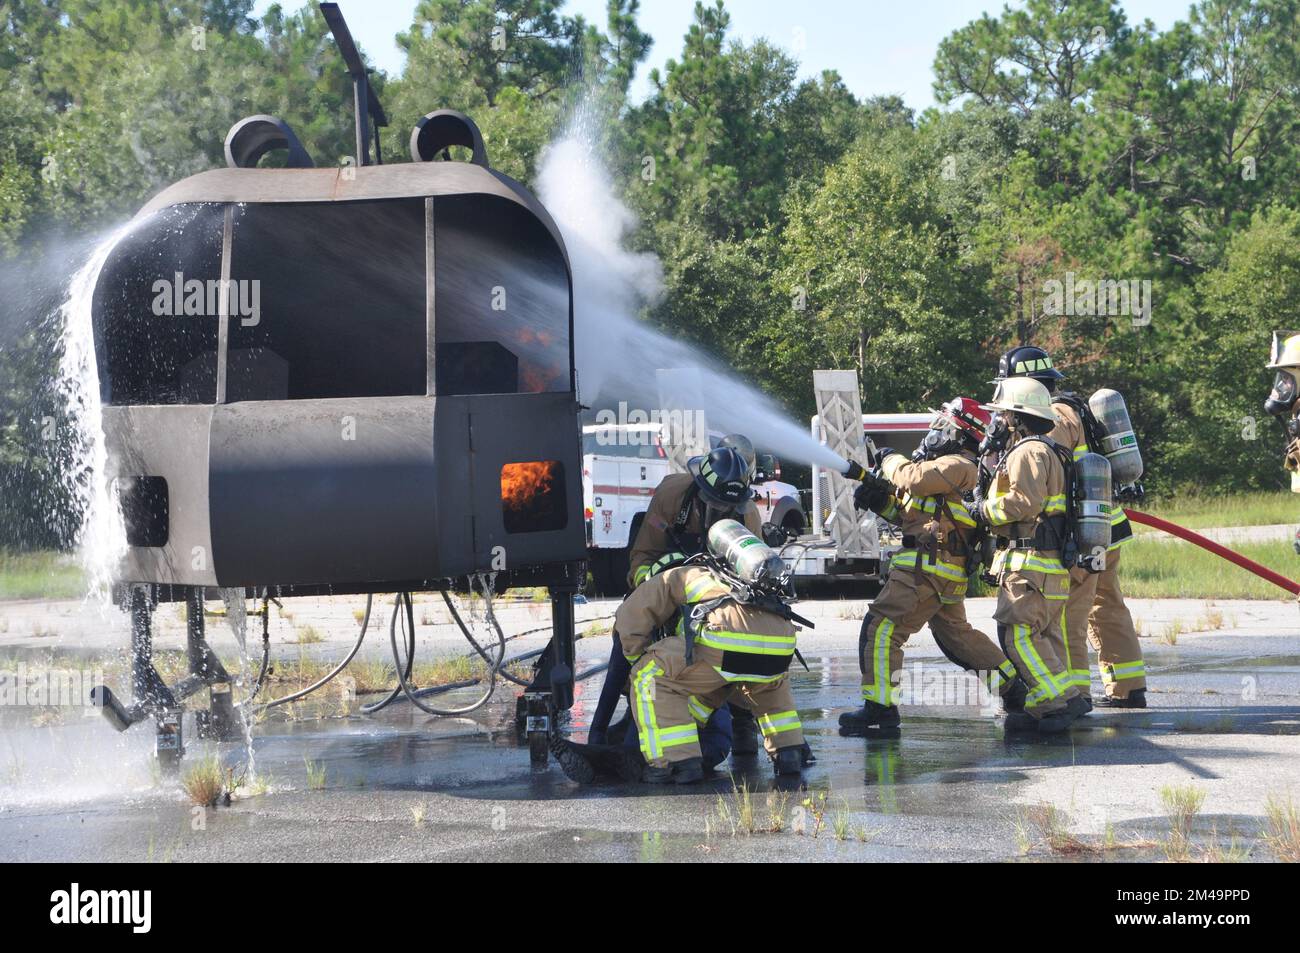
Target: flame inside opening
[{"x": 523, "y": 483}]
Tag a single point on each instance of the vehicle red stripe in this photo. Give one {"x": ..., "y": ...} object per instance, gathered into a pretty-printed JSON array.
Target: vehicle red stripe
[{"x": 622, "y": 490}]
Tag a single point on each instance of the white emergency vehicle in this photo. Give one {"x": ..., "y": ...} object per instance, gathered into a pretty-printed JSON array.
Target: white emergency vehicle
[{"x": 622, "y": 463}]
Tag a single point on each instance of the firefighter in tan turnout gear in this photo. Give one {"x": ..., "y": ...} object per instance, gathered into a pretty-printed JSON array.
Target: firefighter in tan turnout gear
[
  {"x": 928, "y": 577},
  {"x": 1095, "y": 612},
  {"x": 732, "y": 638},
  {"x": 1282, "y": 400},
  {"x": 1025, "y": 506},
  {"x": 683, "y": 507}
]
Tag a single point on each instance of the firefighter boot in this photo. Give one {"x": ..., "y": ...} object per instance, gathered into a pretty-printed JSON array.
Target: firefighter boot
[
  {"x": 1059, "y": 721},
  {"x": 1019, "y": 723},
  {"x": 788, "y": 761},
  {"x": 681, "y": 772},
  {"x": 744, "y": 731},
  {"x": 870, "y": 715},
  {"x": 1136, "y": 699}
]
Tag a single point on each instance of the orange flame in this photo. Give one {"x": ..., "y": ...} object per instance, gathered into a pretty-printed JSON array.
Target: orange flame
[{"x": 522, "y": 483}]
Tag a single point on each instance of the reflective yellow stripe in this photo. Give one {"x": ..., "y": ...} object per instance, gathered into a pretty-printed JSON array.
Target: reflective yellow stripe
[
  {"x": 1124, "y": 670},
  {"x": 880, "y": 688},
  {"x": 640, "y": 575},
  {"x": 778, "y": 722},
  {"x": 758, "y": 679},
  {"x": 699, "y": 711},
  {"x": 695, "y": 591},
  {"x": 1029, "y": 560},
  {"x": 751, "y": 643},
  {"x": 653, "y": 739},
  {"x": 643, "y": 692},
  {"x": 924, "y": 504},
  {"x": 906, "y": 559},
  {"x": 1044, "y": 682},
  {"x": 960, "y": 513}
]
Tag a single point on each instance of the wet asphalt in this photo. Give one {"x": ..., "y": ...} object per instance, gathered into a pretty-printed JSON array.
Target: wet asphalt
[{"x": 950, "y": 785}]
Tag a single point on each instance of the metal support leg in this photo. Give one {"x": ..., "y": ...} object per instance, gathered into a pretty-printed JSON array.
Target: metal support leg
[
  {"x": 147, "y": 686},
  {"x": 562, "y": 643},
  {"x": 220, "y": 721}
]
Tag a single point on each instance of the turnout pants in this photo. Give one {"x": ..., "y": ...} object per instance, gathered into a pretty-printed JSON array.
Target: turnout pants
[
  {"x": 1096, "y": 614},
  {"x": 1030, "y": 614},
  {"x": 671, "y": 700},
  {"x": 909, "y": 601}
]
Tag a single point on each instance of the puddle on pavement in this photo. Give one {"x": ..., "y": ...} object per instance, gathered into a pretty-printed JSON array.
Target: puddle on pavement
[{"x": 947, "y": 764}]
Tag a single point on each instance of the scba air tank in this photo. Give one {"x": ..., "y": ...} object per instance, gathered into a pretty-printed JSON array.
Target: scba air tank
[
  {"x": 751, "y": 559},
  {"x": 1093, "y": 480},
  {"x": 1119, "y": 442}
]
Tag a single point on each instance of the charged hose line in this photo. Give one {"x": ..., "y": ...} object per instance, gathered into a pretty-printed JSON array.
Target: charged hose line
[{"x": 1277, "y": 579}]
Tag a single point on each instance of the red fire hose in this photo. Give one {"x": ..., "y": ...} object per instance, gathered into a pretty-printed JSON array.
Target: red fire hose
[{"x": 1208, "y": 544}]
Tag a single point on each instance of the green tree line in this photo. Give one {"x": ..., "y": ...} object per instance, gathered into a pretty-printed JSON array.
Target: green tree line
[{"x": 799, "y": 226}]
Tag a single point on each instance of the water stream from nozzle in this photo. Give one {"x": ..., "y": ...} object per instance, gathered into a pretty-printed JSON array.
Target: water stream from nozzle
[
  {"x": 101, "y": 540},
  {"x": 618, "y": 354}
]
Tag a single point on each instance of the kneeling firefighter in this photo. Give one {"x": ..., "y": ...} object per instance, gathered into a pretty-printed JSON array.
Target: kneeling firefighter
[
  {"x": 1096, "y": 611},
  {"x": 1284, "y": 399},
  {"x": 730, "y": 634},
  {"x": 681, "y": 511},
  {"x": 928, "y": 577},
  {"x": 1026, "y": 506}
]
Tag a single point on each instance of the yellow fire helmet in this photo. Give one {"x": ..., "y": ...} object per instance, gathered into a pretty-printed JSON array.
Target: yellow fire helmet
[{"x": 1022, "y": 395}]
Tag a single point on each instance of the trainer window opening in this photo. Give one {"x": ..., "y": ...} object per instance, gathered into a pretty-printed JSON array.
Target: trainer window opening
[{"x": 532, "y": 496}]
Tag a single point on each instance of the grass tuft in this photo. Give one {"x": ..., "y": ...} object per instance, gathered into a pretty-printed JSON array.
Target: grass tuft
[
  {"x": 204, "y": 781},
  {"x": 1181, "y": 803},
  {"x": 1283, "y": 834}
]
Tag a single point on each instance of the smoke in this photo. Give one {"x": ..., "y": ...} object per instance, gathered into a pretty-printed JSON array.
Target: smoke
[{"x": 617, "y": 354}]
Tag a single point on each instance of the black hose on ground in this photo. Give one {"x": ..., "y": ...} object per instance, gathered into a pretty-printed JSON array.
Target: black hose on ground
[
  {"x": 494, "y": 665},
  {"x": 356, "y": 646},
  {"x": 410, "y": 661}
]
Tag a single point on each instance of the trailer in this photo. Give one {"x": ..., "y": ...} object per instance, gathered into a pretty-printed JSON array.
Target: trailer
[
  {"x": 623, "y": 464},
  {"x": 843, "y": 543}
]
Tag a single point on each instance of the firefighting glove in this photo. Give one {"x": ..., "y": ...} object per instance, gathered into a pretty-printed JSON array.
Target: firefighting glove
[
  {"x": 977, "y": 506},
  {"x": 873, "y": 493}
]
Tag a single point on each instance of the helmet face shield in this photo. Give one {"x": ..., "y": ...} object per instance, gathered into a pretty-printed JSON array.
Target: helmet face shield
[
  {"x": 944, "y": 436},
  {"x": 1283, "y": 396}
]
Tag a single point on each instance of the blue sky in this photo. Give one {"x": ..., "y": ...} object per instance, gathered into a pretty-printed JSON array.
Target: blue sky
[{"x": 879, "y": 48}]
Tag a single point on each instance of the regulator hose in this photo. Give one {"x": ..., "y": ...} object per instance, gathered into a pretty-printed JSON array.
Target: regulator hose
[{"x": 1277, "y": 579}]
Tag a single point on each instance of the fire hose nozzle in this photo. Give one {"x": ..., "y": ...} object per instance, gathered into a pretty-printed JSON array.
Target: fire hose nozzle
[{"x": 855, "y": 471}]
